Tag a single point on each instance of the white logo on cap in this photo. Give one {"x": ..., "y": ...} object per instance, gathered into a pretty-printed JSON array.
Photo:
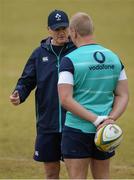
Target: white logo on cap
[{"x": 58, "y": 17}]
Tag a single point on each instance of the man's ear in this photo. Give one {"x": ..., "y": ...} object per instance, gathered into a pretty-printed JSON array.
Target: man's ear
[
  {"x": 48, "y": 28},
  {"x": 75, "y": 33}
]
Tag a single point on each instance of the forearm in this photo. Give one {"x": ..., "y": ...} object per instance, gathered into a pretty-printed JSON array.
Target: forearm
[
  {"x": 71, "y": 105},
  {"x": 119, "y": 106}
]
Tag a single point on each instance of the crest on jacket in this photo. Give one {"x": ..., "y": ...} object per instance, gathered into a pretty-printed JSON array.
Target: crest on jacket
[{"x": 45, "y": 59}]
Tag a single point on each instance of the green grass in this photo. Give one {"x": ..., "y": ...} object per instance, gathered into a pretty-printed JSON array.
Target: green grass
[{"x": 22, "y": 26}]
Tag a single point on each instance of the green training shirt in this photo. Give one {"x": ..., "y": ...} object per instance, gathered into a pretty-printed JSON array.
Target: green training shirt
[{"x": 96, "y": 70}]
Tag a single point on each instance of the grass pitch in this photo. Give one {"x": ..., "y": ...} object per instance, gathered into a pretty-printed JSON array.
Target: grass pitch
[{"x": 22, "y": 25}]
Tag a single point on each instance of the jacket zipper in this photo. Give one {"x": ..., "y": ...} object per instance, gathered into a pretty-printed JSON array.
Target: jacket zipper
[{"x": 58, "y": 66}]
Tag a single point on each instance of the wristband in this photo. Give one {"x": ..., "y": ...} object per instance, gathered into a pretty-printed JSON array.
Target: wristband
[{"x": 99, "y": 120}]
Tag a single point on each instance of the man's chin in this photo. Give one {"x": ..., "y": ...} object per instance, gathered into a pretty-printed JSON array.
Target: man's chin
[{"x": 62, "y": 41}]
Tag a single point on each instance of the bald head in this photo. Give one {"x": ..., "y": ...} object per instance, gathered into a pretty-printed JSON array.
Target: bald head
[{"x": 82, "y": 24}]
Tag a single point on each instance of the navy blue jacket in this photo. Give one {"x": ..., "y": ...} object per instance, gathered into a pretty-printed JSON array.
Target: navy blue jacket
[{"x": 41, "y": 71}]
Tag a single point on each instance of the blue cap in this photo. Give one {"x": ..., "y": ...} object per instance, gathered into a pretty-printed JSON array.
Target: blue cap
[{"x": 57, "y": 19}]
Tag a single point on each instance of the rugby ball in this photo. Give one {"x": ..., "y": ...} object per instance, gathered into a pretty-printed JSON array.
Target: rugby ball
[{"x": 108, "y": 137}]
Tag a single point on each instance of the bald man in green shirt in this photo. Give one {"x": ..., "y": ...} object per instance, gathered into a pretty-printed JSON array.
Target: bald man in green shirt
[{"x": 93, "y": 88}]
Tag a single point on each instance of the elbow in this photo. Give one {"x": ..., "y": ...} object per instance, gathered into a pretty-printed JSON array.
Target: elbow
[
  {"x": 65, "y": 95},
  {"x": 64, "y": 101},
  {"x": 126, "y": 97}
]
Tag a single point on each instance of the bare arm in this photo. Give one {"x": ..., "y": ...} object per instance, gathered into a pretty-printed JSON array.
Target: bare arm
[{"x": 121, "y": 99}]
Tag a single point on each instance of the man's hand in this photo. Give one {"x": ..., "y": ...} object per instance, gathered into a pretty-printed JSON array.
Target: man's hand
[
  {"x": 15, "y": 98},
  {"x": 109, "y": 120}
]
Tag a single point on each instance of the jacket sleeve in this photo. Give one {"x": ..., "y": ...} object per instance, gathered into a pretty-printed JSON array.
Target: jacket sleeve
[{"x": 27, "y": 81}]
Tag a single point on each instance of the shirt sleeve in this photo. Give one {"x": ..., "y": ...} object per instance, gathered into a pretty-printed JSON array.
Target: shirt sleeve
[
  {"x": 27, "y": 81},
  {"x": 66, "y": 77},
  {"x": 123, "y": 75},
  {"x": 66, "y": 65}
]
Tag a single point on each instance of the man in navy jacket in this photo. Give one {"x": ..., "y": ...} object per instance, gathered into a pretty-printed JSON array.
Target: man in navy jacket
[{"x": 41, "y": 72}]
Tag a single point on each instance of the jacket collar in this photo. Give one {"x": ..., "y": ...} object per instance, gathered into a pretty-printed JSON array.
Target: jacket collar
[{"x": 45, "y": 43}]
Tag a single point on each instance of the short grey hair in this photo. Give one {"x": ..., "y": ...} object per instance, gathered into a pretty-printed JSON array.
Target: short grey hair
[{"x": 82, "y": 23}]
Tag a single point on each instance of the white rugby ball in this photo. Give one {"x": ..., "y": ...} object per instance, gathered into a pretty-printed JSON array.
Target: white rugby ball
[{"x": 108, "y": 137}]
